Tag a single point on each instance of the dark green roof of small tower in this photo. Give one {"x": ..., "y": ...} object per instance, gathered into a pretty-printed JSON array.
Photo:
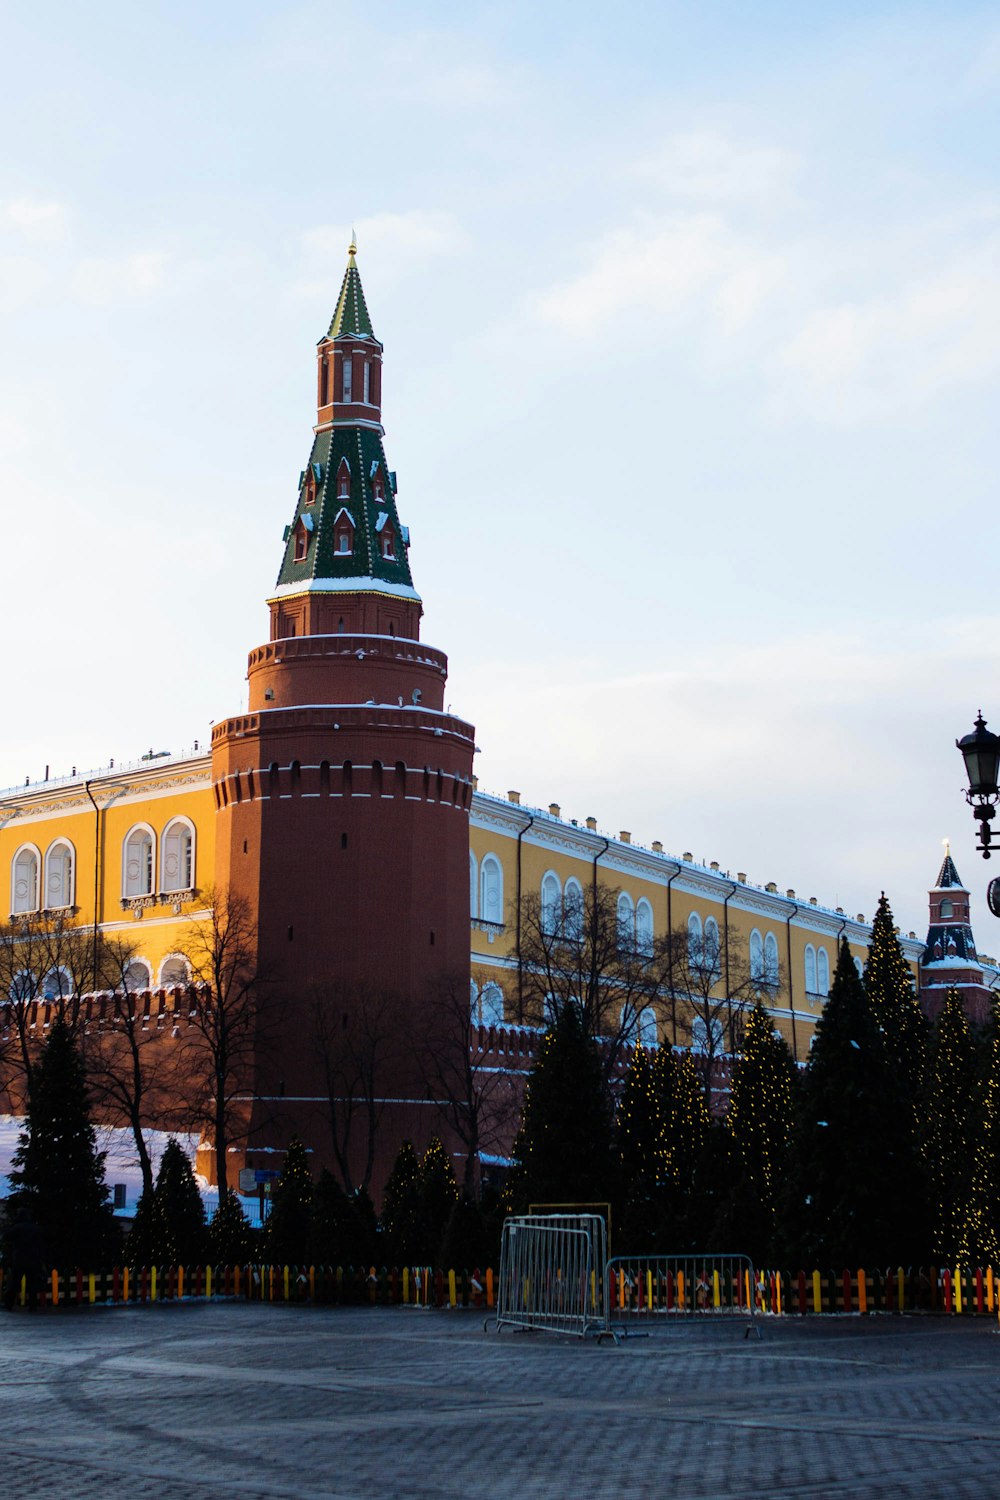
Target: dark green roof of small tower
[
  {"x": 350, "y": 316},
  {"x": 948, "y": 875}
]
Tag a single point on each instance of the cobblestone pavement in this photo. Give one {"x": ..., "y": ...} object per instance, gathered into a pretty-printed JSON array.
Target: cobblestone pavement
[{"x": 195, "y": 1401}]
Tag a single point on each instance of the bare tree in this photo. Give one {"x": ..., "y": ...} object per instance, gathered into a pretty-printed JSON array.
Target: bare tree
[
  {"x": 227, "y": 1023},
  {"x": 130, "y": 1070},
  {"x": 357, "y": 1032},
  {"x": 586, "y": 952},
  {"x": 709, "y": 991},
  {"x": 479, "y": 1101},
  {"x": 42, "y": 958}
]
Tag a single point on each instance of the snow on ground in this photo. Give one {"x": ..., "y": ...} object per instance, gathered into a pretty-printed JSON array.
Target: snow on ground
[{"x": 122, "y": 1163}]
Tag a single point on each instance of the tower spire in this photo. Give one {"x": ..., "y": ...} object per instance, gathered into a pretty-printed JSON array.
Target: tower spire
[{"x": 345, "y": 565}]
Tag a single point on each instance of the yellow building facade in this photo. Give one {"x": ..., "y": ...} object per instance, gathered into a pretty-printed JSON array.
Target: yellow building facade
[{"x": 133, "y": 848}]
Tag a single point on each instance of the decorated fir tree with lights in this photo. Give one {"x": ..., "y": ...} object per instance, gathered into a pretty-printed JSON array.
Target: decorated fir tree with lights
[
  {"x": 400, "y": 1219},
  {"x": 894, "y": 1004},
  {"x": 438, "y": 1194},
  {"x": 640, "y": 1150},
  {"x": 686, "y": 1122},
  {"x": 564, "y": 1148},
  {"x": 852, "y": 1189},
  {"x": 231, "y": 1239},
  {"x": 342, "y": 1232},
  {"x": 761, "y": 1111},
  {"x": 983, "y": 1223},
  {"x": 286, "y": 1234},
  {"x": 179, "y": 1209},
  {"x": 57, "y": 1170},
  {"x": 950, "y": 1131}
]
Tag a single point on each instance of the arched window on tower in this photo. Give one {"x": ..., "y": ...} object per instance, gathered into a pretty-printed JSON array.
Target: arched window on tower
[
  {"x": 947, "y": 910},
  {"x": 59, "y": 875},
  {"x": 491, "y": 889},
  {"x": 347, "y": 379},
  {"x": 343, "y": 532},
  {"x": 137, "y": 863},
  {"x": 24, "y": 880},
  {"x": 177, "y": 857}
]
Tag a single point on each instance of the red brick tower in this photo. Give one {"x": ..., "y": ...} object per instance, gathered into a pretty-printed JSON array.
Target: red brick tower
[
  {"x": 343, "y": 793},
  {"x": 949, "y": 959}
]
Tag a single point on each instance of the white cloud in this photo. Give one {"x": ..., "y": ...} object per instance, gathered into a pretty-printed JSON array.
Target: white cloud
[
  {"x": 710, "y": 166},
  {"x": 692, "y": 265},
  {"x": 21, "y": 280},
  {"x": 120, "y": 278},
  {"x": 36, "y": 220},
  {"x": 861, "y": 359}
]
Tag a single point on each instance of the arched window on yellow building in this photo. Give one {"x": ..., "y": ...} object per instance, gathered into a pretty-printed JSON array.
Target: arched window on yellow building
[
  {"x": 137, "y": 862},
  {"x": 24, "y": 880},
  {"x": 59, "y": 875},
  {"x": 177, "y": 856}
]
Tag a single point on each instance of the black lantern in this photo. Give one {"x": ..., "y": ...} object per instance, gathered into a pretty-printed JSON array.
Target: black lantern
[{"x": 981, "y": 753}]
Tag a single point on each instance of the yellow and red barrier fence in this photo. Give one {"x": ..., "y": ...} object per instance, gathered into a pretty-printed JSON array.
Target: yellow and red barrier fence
[{"x": 957, "y": 1291}]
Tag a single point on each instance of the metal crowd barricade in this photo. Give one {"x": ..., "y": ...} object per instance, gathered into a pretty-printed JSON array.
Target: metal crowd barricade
[
  {"x": 659, "y": 1290},
  {"x": 552, "y": 1274}
]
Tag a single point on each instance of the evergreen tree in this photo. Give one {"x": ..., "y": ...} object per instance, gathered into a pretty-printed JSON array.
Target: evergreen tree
[
  {"x": 686, "y": 1124},
  {"x": 563, "y": 1147},
  {"x": 984, "y": 1209},
  {"x": 762, "y": 1102},
  {"x": 640, "y": 1150},
  {"x": 438, "y": 1195},
  {"x": 342, "y": 1232},
  {"x": 464, "y": 1245},
  {"x": 401, "y": 1208},
  {"x": 181, "y": 1210},
  {"x": 150, "y": 1240},
  {"x": 231, "y": 1240},
  {"x": 894, "y": 1004},
  {"x": 949, "y": 1136},
  {"x": 853, "y": 1182},
  {"x": 56, "y": 1167},
  {"x": 286, "y": 1234}
]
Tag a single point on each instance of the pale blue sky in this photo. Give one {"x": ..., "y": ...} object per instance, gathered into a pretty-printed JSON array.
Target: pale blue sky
[{"x": 692, "y": 328}]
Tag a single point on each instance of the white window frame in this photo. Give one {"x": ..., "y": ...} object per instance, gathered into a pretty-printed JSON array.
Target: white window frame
[
  {"x": 473, "y": 886},
  {"x": 551, "y": 894},
  {"x": 572, "y": 902},
  {"x": 625, "y": 923},
  {"x": 812, "y": 983},
  {"x": 30, "y": 903},
  {"x": 169, "y": 890},
  {"x": 711, "y": 946},
  {"x": 823, "y": 971},
  {"x": 756, "y": 956},
  {"x": 68, "y": 878},
  {"x": 128, "y": 895},
  {"x": 644, "y": 927},
  {"x": 772, "y": 962},
  {"x": 491, "y": 1004},
  {"x": 174, "y": 958},
  {"x": 491, "y": 902}
]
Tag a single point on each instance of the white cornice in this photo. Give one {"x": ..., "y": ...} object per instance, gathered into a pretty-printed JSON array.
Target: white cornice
[{"x": 363, "y": 584}]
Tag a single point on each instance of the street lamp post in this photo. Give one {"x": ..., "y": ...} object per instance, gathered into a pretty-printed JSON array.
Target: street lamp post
[{"x": 981, "y": 753}]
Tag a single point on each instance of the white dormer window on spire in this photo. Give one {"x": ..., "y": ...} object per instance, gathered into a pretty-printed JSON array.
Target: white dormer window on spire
[
  {"x": 344, "y": 480},
  {"x": 388, "y": 550}
]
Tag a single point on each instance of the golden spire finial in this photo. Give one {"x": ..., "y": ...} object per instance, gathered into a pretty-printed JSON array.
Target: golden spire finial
[
  {"x": 352, "y": 248},
  {"x": 947, "y": 847}
]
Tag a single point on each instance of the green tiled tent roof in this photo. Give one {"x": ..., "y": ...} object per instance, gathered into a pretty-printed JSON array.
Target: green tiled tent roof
[
  {"x": 350, "y": 316},
  {"x": 362, "y": 448}
]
